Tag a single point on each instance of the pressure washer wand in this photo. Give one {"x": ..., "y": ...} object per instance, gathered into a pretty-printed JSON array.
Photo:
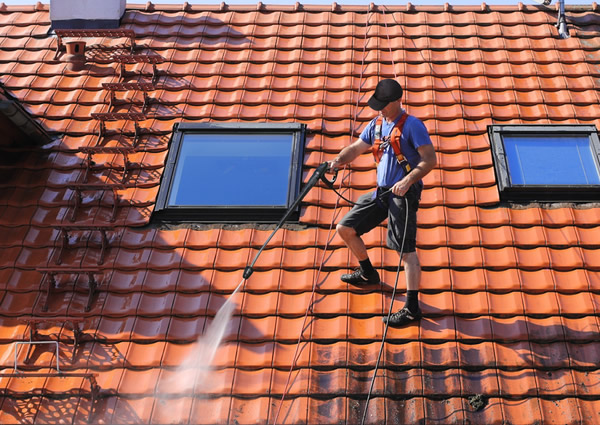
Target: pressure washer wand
[{"x": 319, "y": 174}]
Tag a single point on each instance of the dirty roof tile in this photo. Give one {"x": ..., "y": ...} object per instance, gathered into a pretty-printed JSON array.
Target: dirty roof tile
[
  {"x": 510, "y": 329},
  {"x": 184, "y": 330},
  {"x": 256, "y": 329},
  {"x": 509, "y": 294}
]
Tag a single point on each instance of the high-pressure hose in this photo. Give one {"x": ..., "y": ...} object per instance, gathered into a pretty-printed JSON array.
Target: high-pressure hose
[
  {"x": 389, "y": 314},
  {"x": 319, "y": 174}
]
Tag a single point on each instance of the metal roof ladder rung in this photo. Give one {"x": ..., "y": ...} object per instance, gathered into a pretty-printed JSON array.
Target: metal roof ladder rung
[{"x": 108, "y": 33}]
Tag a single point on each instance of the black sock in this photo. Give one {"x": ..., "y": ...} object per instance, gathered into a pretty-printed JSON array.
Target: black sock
[
  {"x": 412, "y": 300},
  {"x": 366, "y": 266}
]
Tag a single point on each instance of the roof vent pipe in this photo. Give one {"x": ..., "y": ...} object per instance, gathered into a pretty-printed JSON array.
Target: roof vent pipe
[
  {"x": 75, "y": 56},
  {"x": 86, "y": 14},
  {"x": 561, "y": 24},
  {"x": 563, "y": 31}
]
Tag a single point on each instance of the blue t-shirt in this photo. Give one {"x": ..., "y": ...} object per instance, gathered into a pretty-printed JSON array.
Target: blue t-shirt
[{"x": 414, "y": 135}]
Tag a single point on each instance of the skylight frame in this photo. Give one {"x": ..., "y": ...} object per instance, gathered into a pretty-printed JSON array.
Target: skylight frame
[
  {"x": 513, "y": 192},
  {"x": 164, "y": 211}
]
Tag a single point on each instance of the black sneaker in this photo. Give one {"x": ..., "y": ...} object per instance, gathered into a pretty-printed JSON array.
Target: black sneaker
[
  {"x": 402, "y": 317},
  {"x": 359, "y": 278}
]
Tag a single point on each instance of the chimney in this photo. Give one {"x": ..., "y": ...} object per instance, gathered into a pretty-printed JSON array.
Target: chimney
[{"x": 86, "y": 14}]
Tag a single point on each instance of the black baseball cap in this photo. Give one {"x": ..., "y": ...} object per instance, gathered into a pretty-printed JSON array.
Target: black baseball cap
[{"x": 387, "y": 91}]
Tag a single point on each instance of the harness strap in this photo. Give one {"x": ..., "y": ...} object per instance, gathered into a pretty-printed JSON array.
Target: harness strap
[{"x": 379, "y": 145}]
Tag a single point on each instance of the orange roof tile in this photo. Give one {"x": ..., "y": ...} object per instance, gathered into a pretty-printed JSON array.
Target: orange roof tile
[{"x": 510, "y": 295}]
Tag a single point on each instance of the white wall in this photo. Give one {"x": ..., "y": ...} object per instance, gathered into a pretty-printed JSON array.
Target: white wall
[{"x": 63, "y": 10}]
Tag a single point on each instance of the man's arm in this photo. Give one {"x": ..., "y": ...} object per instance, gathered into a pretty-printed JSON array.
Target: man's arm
[
  {"x": 349, "y": 154},
  {"x": 428, "y": 161}
]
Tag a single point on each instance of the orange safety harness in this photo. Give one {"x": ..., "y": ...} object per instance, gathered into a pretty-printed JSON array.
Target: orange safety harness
[{"x": 379, "y": 145}]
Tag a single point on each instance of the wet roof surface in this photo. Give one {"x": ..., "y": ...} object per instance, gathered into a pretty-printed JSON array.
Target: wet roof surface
[{"x": 510, "y": 296}]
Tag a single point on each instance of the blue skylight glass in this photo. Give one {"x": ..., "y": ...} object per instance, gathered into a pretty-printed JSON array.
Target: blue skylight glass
[
  {"x": 550, "y": 160},
  {"x": 233, "y": 170}
]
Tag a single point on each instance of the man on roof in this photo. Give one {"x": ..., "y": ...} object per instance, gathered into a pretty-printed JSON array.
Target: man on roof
[{"x": 404, "y": 155}]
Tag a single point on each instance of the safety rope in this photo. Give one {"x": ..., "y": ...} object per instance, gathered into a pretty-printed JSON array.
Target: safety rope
[
  {"x": 385, "y": 329},
  {"x": 387, "y": 33},
  {"x": 310, "y": 303},
  {"x": 336, "y": 213},
  {"x": 389, "y": 314}
]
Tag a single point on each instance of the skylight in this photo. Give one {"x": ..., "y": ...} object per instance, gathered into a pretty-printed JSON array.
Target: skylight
[
  {"x": 231, "y": 172},
  {"x": 546, "y": 162}
]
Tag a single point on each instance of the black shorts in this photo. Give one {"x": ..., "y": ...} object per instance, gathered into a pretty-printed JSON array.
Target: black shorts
[{"x": 367, "y": 215}]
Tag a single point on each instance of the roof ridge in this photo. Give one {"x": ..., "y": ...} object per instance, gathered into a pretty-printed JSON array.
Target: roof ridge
[
  {"x": 333, "y": 7},
  {"x": 372, "y": 7}
]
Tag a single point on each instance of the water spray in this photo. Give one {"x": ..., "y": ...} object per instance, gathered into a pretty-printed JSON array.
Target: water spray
[{"x": 207, "y": 346}]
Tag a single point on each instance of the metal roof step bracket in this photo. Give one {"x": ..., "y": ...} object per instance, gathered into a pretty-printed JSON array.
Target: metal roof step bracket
[
  {"x": 114, "y": 187},
  {"x": 53, "y": 286},
  {"x": 64, "y": 239},
  {"x": 141, "y": 86},
  {"x": 135, "y": 59},
  {"x": 108, "y": 33},
  {"x": 117, "y": 116},
  {"x": 137, "y": 133},
  {"x": 79, "y": 335},
  {"x": 29, "y": 344},
  {"x": 93, "y": 394},
  {"x": 145, "y": 86},
  {"x": 125, "y": 151}
]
